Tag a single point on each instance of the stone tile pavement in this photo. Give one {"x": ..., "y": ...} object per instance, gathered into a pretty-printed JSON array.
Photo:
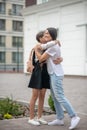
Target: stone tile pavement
[
  {"x": 22, "y": 124},
  {"x": 15, "y": 86}
]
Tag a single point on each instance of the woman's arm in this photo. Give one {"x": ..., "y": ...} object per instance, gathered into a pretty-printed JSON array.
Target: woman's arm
[
  {"x": 29, "y": 62},
  {"x": 40, "y": 57},
  {"x": 47, "y": 45},
  {"x": 50, "y": 44},
  {"x": 45, "y": 56},
  {"x": 58, "y": 60}
]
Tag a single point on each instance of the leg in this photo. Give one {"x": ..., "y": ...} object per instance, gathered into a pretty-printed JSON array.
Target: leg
[
  {"x": 59, "y": 111},
  {"x": 57, "y": 87},
  {"x": 56, "y": 82},
  {"x": 41, "y": 102},
  {"x": 58, "y": 108},
  {"x": 32, "y": 106},
  {"x": 40, "y": 106},
  {"x": 32, "y": 102}
]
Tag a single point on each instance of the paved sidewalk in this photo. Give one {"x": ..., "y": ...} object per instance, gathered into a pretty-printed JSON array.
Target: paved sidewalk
[
  {"x": 22, "y": 124},
  {"x": 15, "y": 86}
]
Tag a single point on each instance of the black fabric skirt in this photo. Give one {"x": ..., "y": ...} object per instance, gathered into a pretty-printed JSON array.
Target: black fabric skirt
[
  {"x": 40, "y": 77},
  {"x": 45, "y": 79}
]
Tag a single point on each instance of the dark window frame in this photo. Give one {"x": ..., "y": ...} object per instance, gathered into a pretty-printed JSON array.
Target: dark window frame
[
  {"x": 2, "y": 24},
  {"x": 16, "y": 9},
  {"x": 2, "y": 57},
  {"x": 2, "y": 8},
  {"x": 18, "y": 26},
  {"x": 2, "y": 41},
  {"x": 17, "y": 42},
  {"x": 17, "y": 57}
]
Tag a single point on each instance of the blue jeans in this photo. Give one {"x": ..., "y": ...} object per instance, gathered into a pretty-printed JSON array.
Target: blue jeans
[{"x": 59, "y": 99}]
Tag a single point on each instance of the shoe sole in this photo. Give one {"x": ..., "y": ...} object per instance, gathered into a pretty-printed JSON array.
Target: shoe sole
[
  {"x": 33, "y": 124},
  {"x": 43, "y": 123},
  {"x": 56, "y": 125}
]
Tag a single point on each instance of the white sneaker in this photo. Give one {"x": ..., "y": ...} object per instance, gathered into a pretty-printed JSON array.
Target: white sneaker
[
  {"x": 74, "y": 122},
  {"x": 42, "y": 121},
  {"x": 33, "y": 122},
  {"x": 56, "y": 122}
]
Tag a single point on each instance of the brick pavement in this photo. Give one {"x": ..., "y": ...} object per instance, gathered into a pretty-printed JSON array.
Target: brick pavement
[
  {"x": 15, "y": 85},
  {"x": 22, "y": 124}
]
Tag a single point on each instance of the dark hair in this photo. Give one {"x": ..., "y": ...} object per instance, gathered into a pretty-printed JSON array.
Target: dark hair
[
  {"x": 39, "y": 35},
  {"x": 53, "y": 32}
]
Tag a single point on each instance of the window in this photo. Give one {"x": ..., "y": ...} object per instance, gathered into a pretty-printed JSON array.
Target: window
[
  {"x": 2, "y": 8},
  {"x": 17, "y": 57},
  {"x": 41, "y": 1},
  {"x": 2, "y": 41},
  {"x": 16, "y": 9},
  {"x": 2, "y": 57},
  {"x": 2, "y": 24},
  {"x": 17, "y": 26},
  {"x": 17, "y": 42}
]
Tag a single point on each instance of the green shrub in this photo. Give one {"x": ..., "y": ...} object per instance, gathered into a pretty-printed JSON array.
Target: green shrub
[
  {"x": 9, "y": 108},
  {"x": 51, "y": 103}
]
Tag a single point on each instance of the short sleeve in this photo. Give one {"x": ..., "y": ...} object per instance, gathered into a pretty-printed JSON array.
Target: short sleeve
[{"x": 50, "y": 51}]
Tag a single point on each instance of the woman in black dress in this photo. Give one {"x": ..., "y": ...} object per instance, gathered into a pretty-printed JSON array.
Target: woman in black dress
[{"x": 39, "y": 82}]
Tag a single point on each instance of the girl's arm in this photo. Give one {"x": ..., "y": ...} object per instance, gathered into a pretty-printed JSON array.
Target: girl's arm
[
  {"x": 29, "y": 62},
  {"x": 40, "y": 57},
  {"x": 45, "y": 56},
  {"x": 47, "y": 45}
]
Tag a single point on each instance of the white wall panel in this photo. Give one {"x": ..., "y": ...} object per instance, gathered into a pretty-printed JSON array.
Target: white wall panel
[
  {"x": 73, "y": 39},
  {"x": 72, "y": 36},
  {"x": 30, "y": 30},
  {"x": 49, "y": 19}
]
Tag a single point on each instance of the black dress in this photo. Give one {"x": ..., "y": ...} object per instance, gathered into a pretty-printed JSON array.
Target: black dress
[{"x": 39, "y": 77}]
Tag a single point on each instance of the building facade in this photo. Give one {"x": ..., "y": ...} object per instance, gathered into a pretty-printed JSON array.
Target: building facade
[
  {"x": 11, "y": 35},
  {"x": 70, "y": 18}
]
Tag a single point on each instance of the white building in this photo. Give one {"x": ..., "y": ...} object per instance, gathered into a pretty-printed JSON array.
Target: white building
[{"x": 70, "y": 17}]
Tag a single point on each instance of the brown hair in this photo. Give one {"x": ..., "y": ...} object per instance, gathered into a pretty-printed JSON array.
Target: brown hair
[{"x": 39, "y": 35}]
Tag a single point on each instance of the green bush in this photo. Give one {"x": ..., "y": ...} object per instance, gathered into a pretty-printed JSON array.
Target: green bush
[
  {"x": 51, "y": 103},
  {"x": 9, "y": 108}
]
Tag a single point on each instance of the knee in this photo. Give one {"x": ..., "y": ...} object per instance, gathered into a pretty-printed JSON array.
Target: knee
[
  {"x": 41, "y": 96},
  {"x": 35, "y": 96}
]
